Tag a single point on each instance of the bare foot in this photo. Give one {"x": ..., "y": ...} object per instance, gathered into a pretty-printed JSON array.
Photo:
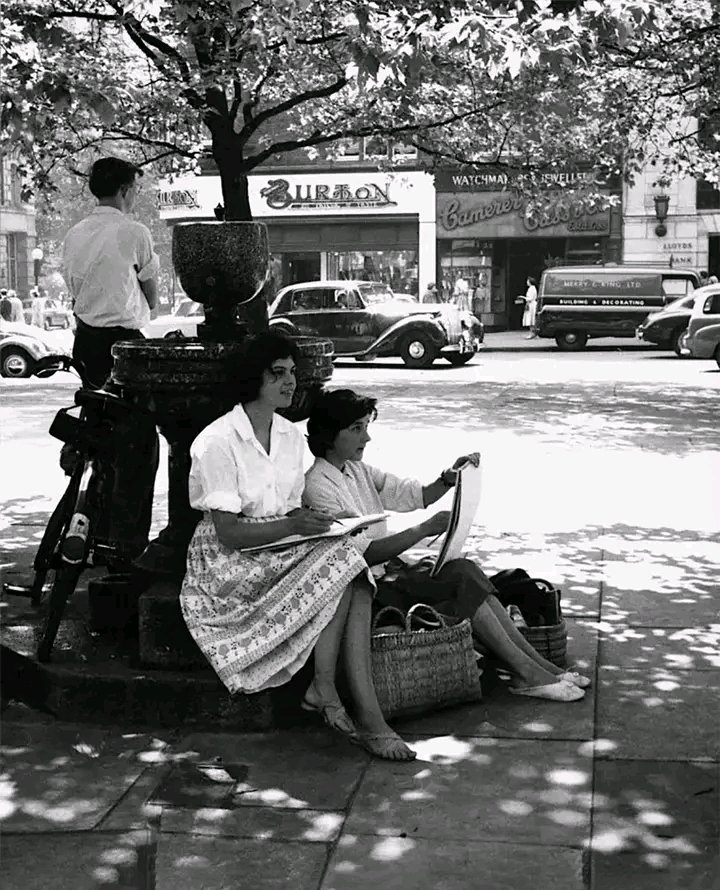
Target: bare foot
[{"x": 387, "y": 746}]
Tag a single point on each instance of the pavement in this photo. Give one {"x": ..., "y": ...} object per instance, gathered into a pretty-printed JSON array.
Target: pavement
[{"x": 603, "y": 482}]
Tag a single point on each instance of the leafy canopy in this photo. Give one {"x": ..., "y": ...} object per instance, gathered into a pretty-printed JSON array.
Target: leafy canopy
[{"x": 529, "y": 85}]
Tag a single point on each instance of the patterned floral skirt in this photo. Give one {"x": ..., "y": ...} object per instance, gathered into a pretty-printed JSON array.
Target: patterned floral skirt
[{"x": 257, "y": 616}]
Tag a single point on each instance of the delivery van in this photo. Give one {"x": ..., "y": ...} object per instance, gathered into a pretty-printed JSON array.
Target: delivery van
[{"x": 576, "y": 303}]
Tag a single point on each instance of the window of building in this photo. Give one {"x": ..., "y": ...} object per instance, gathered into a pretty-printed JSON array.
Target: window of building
[
  {"x": 348, "y": 150},
  {"x": 402, "y": 151},
  {"x": 8, "y": 261},
  {"x": 375, "y": 147},
  {"x": 708, "y": 197}
]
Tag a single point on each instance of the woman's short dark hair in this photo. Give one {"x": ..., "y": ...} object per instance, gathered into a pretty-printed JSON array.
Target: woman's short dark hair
[
  {"x": 333, "y": 411},
  {"x": 109, "y": 175},
  {"x": 258, "y": 354},
  {"x": 532, "y": 281}
]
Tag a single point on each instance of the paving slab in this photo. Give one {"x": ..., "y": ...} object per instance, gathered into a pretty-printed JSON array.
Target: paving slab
[
  {"x": 661, "y": 812},
  {"x": 686, "y": 648},
  {"x": 395, "y": 863},
  {"x": 298, "y": 770},
  {"x": 660, "y": 608},
  {"x": 261, "y": 823},
  {"x": 517, "y": 791},
  {"x": 135, "y": 808},
  {"x": 658, "y": 714},
  {"x": 503, "y": 715},
  {"x": 77, "y": 861},
  {"x": 63, "y": 778},
  {"x": 207, "y": 863}
]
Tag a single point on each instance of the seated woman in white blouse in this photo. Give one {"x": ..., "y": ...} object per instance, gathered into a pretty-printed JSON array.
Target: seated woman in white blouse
[
  {"x": 258, "y": 616},
  {"x": 340, "y": 483}
]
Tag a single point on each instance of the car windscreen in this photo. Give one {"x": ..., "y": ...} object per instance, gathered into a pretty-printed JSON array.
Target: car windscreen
[
  {"x": 606, "y": 284},
  {"x": 373, "y": 292}
]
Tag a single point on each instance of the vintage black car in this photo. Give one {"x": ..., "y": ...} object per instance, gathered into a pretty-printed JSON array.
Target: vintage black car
[
  {"x": 365, "y": 320},
  {"x": 667, "y": 326}
]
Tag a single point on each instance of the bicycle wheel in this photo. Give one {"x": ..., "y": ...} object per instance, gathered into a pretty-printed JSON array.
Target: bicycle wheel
[
  {"x": 66, "y": 579},
  {"x": 52, "y": 535}
]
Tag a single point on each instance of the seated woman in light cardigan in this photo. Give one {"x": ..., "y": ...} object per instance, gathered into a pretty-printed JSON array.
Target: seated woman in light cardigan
[
  {"x": 259, "y": 616},
  {"x": 340, "y": 483}
]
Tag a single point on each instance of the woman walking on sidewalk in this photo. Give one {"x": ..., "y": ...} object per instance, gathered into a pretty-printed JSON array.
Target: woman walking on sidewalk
[{"x": 528, "y": 319}]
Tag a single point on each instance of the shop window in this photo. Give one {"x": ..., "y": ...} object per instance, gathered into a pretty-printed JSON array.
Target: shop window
[{"x": 396, "y": 268}]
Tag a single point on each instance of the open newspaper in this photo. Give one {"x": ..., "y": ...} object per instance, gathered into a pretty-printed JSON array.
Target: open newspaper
[
  {"x": 462, "y": 514},
  {"x": 338, "y": 529}
]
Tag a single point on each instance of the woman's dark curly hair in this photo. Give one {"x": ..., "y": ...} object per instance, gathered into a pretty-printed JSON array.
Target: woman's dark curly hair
[
  {"x": 333, "y": 411},
  {"x": 258, "y": 353}
]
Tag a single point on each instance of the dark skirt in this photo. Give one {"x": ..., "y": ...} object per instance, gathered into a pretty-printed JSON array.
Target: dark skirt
[{"x": 459, "y": 588}]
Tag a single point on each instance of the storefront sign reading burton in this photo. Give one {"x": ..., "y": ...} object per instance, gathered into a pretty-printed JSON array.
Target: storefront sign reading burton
[
  {"x": 279, "y": 194},
  {"x": 511, "y": 214}
]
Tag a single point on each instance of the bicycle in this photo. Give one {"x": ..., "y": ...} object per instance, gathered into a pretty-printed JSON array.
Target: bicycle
[{"x": 74, "y": 536}]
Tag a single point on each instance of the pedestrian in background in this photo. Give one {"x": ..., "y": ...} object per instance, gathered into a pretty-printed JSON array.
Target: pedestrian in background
[
  {"x": 528, "y": 319},
  {"x": 713, "y": 279},
  {"x": 17, "y": 307},
  {"x": 431, "y": 295}
]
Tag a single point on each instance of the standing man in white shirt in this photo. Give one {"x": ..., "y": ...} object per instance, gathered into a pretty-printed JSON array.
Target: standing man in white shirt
[{"x": 111, "y": 272}]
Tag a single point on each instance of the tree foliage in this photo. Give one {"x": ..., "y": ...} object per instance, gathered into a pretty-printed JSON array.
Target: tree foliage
[{"x": 526, "y": 85}]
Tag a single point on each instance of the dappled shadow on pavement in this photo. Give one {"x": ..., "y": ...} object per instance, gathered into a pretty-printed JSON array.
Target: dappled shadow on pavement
[{"x": 662, "y": 418}]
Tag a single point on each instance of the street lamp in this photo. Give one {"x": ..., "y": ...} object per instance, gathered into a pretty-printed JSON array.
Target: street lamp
[
  {"x": 662, "y": 205},
  {"x": 37, "y": 257}
]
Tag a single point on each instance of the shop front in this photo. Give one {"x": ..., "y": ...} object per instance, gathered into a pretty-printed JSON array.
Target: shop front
[
  {"x": 371, "y": 225},
  {"x": 491, "y": 238}
]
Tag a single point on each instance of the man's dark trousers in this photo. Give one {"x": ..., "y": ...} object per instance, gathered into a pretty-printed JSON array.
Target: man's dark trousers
[{"x": 136, "y": 455}]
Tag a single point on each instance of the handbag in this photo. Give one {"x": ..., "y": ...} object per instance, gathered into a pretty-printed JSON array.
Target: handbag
[
  {"x": 539, "y": 602},
  {"x": 425, "y": 661}
]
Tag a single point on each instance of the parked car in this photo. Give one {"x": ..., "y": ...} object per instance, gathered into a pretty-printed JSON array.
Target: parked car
[
  {"x": 184, "y": 320},
  {"x": 365, "y": 320},
  {"x": 702, "y": 337},
  {"x": 576, "y": 303},
  {"x": 667, "y": 326},
  {"x": 22, "y": 347}
]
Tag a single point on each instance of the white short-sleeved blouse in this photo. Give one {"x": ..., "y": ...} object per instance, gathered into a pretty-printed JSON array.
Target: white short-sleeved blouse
[{"x": 231, "y": 471}]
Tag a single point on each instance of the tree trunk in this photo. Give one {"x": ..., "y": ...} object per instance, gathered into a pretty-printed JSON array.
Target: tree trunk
[{"x": 234, "y": 181}]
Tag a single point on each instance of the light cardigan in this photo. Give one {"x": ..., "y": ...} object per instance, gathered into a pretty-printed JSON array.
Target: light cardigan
[{"x": 359, "y": 489}]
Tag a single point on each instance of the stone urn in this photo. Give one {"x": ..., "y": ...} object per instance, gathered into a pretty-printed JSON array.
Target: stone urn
[
  {"x": 224, "y": 266},
  {"x": 184, "y": 382}
]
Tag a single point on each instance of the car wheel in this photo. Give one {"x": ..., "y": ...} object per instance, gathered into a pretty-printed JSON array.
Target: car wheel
[
  {"x": 418, "y": 350},
  {"x": 571, "y": 341},
  {"x": 174, "y": 335},
  {"x": 459, "y": 358},
  {"x": 16, "y": 363},
  {"x": 675, "y": 340}
]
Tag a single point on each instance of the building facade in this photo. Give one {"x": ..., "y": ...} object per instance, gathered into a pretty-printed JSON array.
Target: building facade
[
  {"x": 494, "y": 237},
  {"x": 690, "y": 233},
  {"x": 324, "y": 224},
  {"x": 17, "y": 231}
]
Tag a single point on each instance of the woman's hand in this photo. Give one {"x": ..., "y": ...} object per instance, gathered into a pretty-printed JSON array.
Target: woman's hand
[
  {"x": 436, "y": 524},
  {"x": 305, "y": 521},
  {"x": 473, "y": 459}
]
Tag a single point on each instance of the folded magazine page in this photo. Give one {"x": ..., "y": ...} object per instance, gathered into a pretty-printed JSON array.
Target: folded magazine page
[
  {"x": 462, "y": 514},
  {"x": 338, "y": 529}
]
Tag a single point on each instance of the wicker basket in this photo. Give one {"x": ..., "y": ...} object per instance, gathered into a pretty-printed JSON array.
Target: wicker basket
[
  {"x": 549, "y": 640},
  {"x": 421, "y": 670}
]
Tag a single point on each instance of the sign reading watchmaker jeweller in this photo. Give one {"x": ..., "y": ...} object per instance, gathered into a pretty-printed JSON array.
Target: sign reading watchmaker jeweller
[{"x": 510, "y": 214}]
